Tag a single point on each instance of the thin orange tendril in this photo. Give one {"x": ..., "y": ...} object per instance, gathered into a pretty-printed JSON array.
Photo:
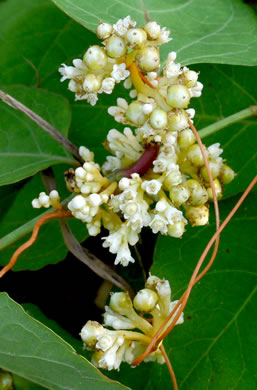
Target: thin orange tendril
[
  {"x": 171, "y": 371},
  {"x": 27, "y": 244}
]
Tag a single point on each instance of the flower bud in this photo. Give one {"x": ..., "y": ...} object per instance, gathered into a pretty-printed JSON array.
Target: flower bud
[
  {"x": 226, "y": 174},
  {"x": 197, "y": 216},
  {"x": 158, "y": 119},
  {"x": 189, "y": 78},
  {"x": 198, "y": 193},
  {"x": 148, "y": 59},
  {"x": 135, "y": 113},
  {"x": 178, "y": 96},
  {"x": 95, "y": 58},
  {"x": 172, "y": 179},
  {"x": 194, "y": 154},
  {"x": 77, "y": 203},
  {"x": 135, "y": 37},
  {"x": 130, "y": 208},
  {"x": 145, "y": 300},
  {"x": 90, "y": 332},
  {"x": 91, "y": 83},
  {"x": 121, "y": 303},
  {"x": 218, "y": 190},
  {"x": 178, "y": 120},
  {"x": 177, "y": 229},
  {"x": 151, "y": 282},
  {"x": 104, "y": 30},
  {"x": 214, "y": 168},
  {"x": 115, "y": 46},
  {"x": 186, "y": 138},
  {"x": 153, "y": 30},
  {"x": 179, "y": 194}
]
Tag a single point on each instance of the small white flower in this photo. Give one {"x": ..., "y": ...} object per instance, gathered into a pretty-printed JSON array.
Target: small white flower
[
  {"x": 160, "y": 165},
  {"x": 92, "y": 98},
  {"x": 119, "y": 111},
  {"x": 67, "y": 72},
  {"x": 107, "y": 85},
  {"x": 152, "y": 187},
  {"x": 215, "y": 150},
  {"x": 122, "y": 25},
  {"x": 109, "y": 361},
  {"x": 111, "y": 164},
  {"x": 124, "y": 256},
  {"x": 120, "y": 72},
  {"x": 164, "y": 36},
  {"x": 158, "y": 224},
  {"x": 113, "y": 241}
]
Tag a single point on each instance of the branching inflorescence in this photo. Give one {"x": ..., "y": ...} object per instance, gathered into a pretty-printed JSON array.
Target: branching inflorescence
[{"x": 156, "y": 176}]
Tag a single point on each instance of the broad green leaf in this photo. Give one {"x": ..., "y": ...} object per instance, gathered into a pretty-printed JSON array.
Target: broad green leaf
[
  {"x": 49, "y": 247},
  {"x": 227, "y": 90},
  {"x": 37, "y": 314},
  {"x": 221, "y": 31},
  {"x": 25, "y": 148},
  {"x": 30, "y": 349},
  {"x": 215, "y": 348}
]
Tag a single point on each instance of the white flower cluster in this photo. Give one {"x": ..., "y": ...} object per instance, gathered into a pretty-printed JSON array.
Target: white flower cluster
[
  {"x": 156, "y": 172},
  {"x": 112, "y": 347},
  {"x": 103, "y": 67}
]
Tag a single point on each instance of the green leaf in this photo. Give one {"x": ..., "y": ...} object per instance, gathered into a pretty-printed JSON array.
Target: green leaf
[
  {"x": 37, "y": 314},
  {"x": 223, "y": 31},
  {"x": 49, "y": 247},
  {"x": 32, "y": 350},
  {"x": 26, "y": 148},
  {"x": 215, "y": 348},
  {"x": 227, "y": 90}
]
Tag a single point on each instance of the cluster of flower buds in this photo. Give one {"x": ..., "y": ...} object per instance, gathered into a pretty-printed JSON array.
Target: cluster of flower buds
[
  {"x": 156, "y": 176},
  {"x": 112, "y": 347},
  {"x": 104, "y": 66},
  {"x": 44, "y": 200}
]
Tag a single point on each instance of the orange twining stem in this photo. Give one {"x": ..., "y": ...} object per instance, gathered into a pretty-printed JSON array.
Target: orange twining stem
[
  {"x": 171, "y": 371},
  {"x": 144, "y": 78},
  {"x": 138, "y": 78},
  {"x": 156, "y": 339},
  {"x": 27, "y": 244}
]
